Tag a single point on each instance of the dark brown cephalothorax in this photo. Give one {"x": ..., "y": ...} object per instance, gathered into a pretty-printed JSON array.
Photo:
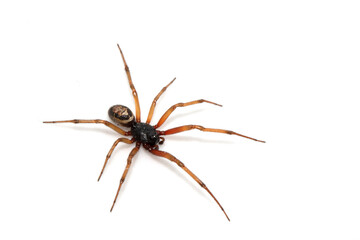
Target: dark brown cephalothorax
[
  {"x": 121, "y": 115},
  {"x": 147, "y": 135}
]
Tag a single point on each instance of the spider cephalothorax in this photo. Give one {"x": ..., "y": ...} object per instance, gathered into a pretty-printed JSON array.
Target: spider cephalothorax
[{"x": 147, "y": 135}]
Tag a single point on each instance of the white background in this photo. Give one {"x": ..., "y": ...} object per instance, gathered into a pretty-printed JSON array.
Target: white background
[{"x": 286, "y": 72}]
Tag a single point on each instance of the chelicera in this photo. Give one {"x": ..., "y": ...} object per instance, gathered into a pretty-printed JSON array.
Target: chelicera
[{"x": 146, "y": 135}]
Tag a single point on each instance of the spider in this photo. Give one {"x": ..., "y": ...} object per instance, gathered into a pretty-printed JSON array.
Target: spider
[{"x": 147, "y": 135}]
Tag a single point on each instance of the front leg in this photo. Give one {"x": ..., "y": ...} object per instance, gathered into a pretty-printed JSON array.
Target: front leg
[{"x": 201, "y": 128}]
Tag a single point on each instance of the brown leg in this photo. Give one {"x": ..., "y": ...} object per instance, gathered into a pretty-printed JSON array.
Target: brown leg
[
  {"x": 106, "y": 123},
  {"x": 134, "y": 93},
  {"x": 180, "y": 164},
  {"x": 131, "y": 155},
  {"x": 190, "y": 127},
  {"x": 151, "y": 111},
  {"x": 124, "y": 140},
  {"x": 171, "y": 109}
]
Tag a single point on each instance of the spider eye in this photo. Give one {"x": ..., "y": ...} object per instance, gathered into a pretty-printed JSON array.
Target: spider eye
[{"x": 121, "y": 115}]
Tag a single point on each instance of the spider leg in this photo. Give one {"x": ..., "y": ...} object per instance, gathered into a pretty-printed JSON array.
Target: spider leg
[
  {"x": 180, "y": 164},
  {"x": 124, "y": 140},
  {"x": 201, "y": 128},
  {"x": 151, "y": 111},
  {"x": 129, "y": 160},
  {"x": 106, "y": 123},
  {"x": 172, "y": 108},
  {"x": 134, "y": 93}
]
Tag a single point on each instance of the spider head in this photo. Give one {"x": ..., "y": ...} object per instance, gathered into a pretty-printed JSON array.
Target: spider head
[{"x": 121, "y": 115}]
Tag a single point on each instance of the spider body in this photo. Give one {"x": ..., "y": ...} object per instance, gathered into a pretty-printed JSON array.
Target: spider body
[
  {"x": 142, "y": 132},
  {"x": 146, "y": 135}
]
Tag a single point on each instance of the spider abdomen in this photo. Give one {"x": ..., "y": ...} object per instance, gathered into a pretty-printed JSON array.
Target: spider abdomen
[
  {"x": 121, "y": 115},
  {"x": 145, "y": 133}
]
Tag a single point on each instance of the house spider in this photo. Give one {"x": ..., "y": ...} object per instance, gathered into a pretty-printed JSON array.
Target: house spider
[{"x": 147, "y": 135}]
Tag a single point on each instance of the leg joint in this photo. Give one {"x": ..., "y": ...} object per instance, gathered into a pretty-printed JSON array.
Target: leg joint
[
  {"x": 180, "y": 164},
  {"x": 202, "y": 184}
]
